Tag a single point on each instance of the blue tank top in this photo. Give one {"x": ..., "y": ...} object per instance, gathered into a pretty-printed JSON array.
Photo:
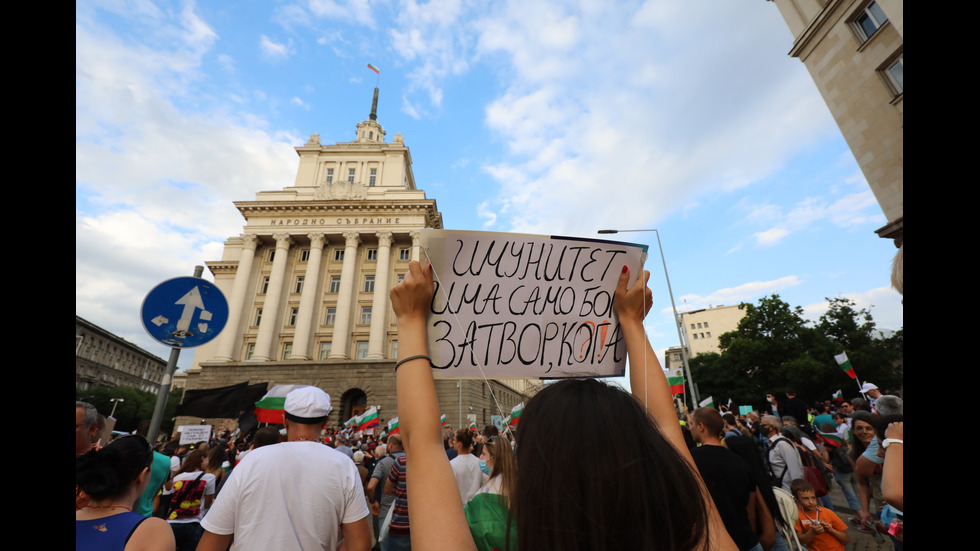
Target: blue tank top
[{"x": 106, "y": 534}]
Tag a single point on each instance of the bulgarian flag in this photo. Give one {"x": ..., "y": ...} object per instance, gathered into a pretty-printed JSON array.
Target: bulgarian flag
[
  {"x": 845, "y": 365},
  {"x": 830, "y": 438},
  {"x": 369, "y": 419},
  {"x": 515, "y": 414},
  {"x": 393, "y": 426},
  {"x": 473, "y": 425},
  {"x": 676, "y": 385},
  {"x": 708, "y": 402},
  {"x": 272, "y": 406},
  {"x": 442, "y": 419},
  {"x": 373, "y": 68},
  {"x": 838, "y": 396},
  {"x": 352, "y": 422}
]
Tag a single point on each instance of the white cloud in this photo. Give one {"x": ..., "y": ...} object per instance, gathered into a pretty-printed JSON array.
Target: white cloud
[
  {"x": 884, "y": 303},
  {"x": 489, "y": 216},
  {"x": 850, "y": 211},
  {"x": 273, "y": 50},
  {"x": 300, "y": 103},
  {"x": 346, "y": 10},
  {"x": 746, "y": 292}
]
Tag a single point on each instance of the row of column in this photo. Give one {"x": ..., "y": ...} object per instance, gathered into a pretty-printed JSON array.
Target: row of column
[{"x": 265, "y": 348}]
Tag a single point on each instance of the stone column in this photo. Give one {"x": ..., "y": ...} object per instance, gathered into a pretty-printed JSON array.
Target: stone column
[
  {"x": 265, "y": 343},
  {"x": 379, "y": 308},
  {"x": 341, "y": 328},
  {"x": 232, "y": 332},
  {"x": 307, "y": 302},
  {"x": 416, "y": 236}
]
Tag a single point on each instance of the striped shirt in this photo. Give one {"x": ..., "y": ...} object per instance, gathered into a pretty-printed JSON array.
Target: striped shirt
[{"x": 397, "y": 476}]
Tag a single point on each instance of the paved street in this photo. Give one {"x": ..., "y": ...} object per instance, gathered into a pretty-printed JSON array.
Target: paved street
[{"x": 859, "y": 540}]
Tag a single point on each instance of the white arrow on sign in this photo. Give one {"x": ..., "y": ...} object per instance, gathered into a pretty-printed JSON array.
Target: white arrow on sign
[{"x": 190, "y": 301}]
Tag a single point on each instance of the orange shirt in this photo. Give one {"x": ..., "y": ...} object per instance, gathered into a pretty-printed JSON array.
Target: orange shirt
[{"x": 825, "y": 541}]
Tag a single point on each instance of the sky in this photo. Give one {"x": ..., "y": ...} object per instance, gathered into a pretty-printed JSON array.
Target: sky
[{"x": 532, "y": 116}]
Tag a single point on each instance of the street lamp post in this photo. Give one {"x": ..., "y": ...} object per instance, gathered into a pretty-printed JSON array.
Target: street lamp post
[
  {"x": 116, "y": 400},
  {"x": 677, "y": 319}
]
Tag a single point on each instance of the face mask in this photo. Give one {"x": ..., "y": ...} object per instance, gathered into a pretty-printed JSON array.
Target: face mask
[{"x": 483, "y": 467}]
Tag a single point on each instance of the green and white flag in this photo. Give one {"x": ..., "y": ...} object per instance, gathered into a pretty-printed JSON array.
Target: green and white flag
[
  {"x": 708, "y": 402},
  {"x": 515, "y": 414}
]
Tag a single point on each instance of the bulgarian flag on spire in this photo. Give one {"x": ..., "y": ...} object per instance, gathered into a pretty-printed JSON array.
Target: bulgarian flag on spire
[
  {"x": 369, "y": 419},
  {"x": 373, "y": 68},
  {"x": 515, "y": 414},
  {"x": 845, "y": 365},
  {"x": 393, "y": 426},
  {"x": 676, "y": 385}
]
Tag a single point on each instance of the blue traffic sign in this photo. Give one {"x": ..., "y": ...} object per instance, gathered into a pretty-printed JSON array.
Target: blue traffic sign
[{"x": 184, "y": 312}]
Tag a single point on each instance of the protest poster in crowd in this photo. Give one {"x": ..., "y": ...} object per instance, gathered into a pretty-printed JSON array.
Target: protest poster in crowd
[
  {"x": 516, "y": 305},
  {"x": 190, "y": 434}
]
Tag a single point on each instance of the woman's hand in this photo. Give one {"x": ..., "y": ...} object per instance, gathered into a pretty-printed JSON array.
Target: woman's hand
[
  {"x": 411, "y": 298},
  {"x": 634, "y": 303}
]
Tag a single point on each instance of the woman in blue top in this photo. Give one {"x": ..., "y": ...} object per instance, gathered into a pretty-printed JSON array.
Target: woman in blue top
[{"x": 113, "y": 478}]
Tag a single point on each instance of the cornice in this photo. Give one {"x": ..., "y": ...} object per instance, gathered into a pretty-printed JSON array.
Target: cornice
[
  {"x": 820, "y": 26},
  {"x": 323, "y": 207},
  {"x": 225, "y": 266}
]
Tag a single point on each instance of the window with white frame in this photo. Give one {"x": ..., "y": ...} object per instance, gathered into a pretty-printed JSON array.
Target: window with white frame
[
  {"x": 372, "y": 255},
  {"x": 249, "y": 350},
  {"x": 869, "y": 20},
  {"x": 405, "y": 254},
  {"x": 895, "y": 73},
  {"x": 334, "y": 284},
  {"x": 369, "y": 284},
  {"x": 258, "y": 317},
  {"x": 394, "y": 348},
  {"x": 264, "y": 288},
  {"x": 293, "y": 314},
  {"x": 365, "y": 315},
  {"x": 373, "y": 178},
  {"x": 350, "y": 176},
  {"x": 299, "y": 284},
  {"x": 287, "y": 350},
  {"x": 331, "y": 317},
  {"x": 329, "y": 175},
  {"x": 304, "y": 255},
  {"x": 338, "y": 255},
  {"x": 324, "y": 352},
  {"x": 361, "y": 351}
]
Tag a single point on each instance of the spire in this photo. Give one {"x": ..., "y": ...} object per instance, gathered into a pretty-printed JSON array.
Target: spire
[{"x": 374, "y": 105}]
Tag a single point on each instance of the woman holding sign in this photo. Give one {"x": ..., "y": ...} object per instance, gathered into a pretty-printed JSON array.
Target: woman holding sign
[{"x": 597, "y": 468}]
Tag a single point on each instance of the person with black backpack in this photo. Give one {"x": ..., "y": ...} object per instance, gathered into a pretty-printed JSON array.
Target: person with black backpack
[{"x": 783, "y": 461}]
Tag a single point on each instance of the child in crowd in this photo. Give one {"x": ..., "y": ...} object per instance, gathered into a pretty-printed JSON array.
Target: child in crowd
[{"x": 819, "y": 529}]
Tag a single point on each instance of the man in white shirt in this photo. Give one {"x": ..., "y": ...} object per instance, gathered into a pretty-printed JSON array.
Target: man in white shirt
[
  {"x": 784, "y": 460},
  {"x": 296, "y": 495},
  {"x": 466, "y": 466}
]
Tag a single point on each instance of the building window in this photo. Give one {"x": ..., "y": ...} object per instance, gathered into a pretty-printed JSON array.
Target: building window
[
  {"x": 692, "y": 326},
  {"x": 329, "y": 175},
  {"x": 373, "y": 178},
  {"x": 869, "y": 20},
  {"x": 299, "y": 284},
  {"x": 369, "y": 284},
  {"x": 895, "y": 73},
  {"x": 705, "y": 325},
  {"x": 695, "y": 336},
  {"x": 405, "y": 254},
  {"x": 394, "y": 348},
  {"x": 361, "y": 351},
  {"x": 293, "y": 314},
  {"x": 372, "y": 255},
  {"x": 365, "y": 315},
  {"x": 338, "y": 255},
  {"x": 249, "y": 350},
  {"x": 287, "y": 350},
  {"x": 304, "y": 255},
  {"x": 324, "y": 350},
  {"x": 264, "y": 288},
  {"x": 334, "y": 284},
  {"x": 331, "y": 317},
  {"x": 350, "y": 176},
  {"x": 401, "y": 277},
  {"x": 371, "y": 137},
  {"x": 699, "y": 325},
  {"x": 709, "y": 334},
  {"x": 272, "y": 255},
  {"x": 258, "y": 317}
]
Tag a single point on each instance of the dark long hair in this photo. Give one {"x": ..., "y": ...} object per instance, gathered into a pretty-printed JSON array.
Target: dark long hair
[
  {"x": 107, "y": 473},
  {"x": 858, "y": 447},
  {"x": 594, "y": 472},
  {"x": 747, "y": 449}
]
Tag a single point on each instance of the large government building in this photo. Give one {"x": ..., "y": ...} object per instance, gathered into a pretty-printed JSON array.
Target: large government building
[
  {"x": 307, "y": 283},
  {"x": 105, "y": 359}
]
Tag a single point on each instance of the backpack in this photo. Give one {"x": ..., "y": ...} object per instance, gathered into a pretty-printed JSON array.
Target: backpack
[{"x": 777, "y": 481}]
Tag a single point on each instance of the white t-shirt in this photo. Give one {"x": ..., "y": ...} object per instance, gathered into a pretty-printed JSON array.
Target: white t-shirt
[
  {"x": 469, "y": 477},
  {"x": 291, "y": 495}
]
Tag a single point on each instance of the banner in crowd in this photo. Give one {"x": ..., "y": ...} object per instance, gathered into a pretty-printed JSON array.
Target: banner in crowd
[
  {"x": 516, "y": 305},
  {"x": 191, "y": 434}
]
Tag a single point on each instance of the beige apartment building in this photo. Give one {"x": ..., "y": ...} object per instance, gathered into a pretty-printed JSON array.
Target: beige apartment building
[
  {"x": 703, "y": 327},
  {"x": 106, "y": 359},
  {"x": 853, "y": 50},
  {"x": 307, "y": 283}
]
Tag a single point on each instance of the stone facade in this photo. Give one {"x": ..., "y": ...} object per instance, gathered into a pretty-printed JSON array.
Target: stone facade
[
  {"x": 308, "y": 279},
  {"x": 105, "y": 359},
  {"x": 853, "y": 50}
]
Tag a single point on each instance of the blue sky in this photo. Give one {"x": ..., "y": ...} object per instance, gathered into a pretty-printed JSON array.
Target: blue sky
[{"x": 534, "y": 116}]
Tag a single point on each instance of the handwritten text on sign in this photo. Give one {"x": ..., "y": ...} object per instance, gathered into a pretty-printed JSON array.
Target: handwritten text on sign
[{"x": 526, "y": 305}]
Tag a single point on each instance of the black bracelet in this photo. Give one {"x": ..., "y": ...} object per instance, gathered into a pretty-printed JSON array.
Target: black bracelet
[{"x": 410, "y": 358}]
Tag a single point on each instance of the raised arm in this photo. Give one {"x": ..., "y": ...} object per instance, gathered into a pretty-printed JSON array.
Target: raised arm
[
  {"x": 649, "y": 385},
  {"x": 434, "y": 505}
]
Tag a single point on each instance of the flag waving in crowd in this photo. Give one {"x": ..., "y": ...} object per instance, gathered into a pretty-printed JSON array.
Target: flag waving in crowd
[
  {"x": 845, "y": 365},
  {"x": 368, "y": 420},
  {"x": 515, "y": 414}
]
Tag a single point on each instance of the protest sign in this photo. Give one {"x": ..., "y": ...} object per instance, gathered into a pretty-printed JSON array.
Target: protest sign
[
  {"x": 191, "y": 434},
  {"x": 515, "y": 305}
]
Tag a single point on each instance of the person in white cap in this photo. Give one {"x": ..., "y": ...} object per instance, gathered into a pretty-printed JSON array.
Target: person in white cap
[
  {"x": 298, "y": 494},
  {"x": 871, "y": 391}
]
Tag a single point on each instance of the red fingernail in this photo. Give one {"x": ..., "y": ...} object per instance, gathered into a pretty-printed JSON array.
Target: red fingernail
[{"x": 625, "y": 269}]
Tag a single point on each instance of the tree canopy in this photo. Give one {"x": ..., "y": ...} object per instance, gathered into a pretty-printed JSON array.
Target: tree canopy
[
  {"x": 775, "y": 348},
  {"x": 136, "y": 405}
]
